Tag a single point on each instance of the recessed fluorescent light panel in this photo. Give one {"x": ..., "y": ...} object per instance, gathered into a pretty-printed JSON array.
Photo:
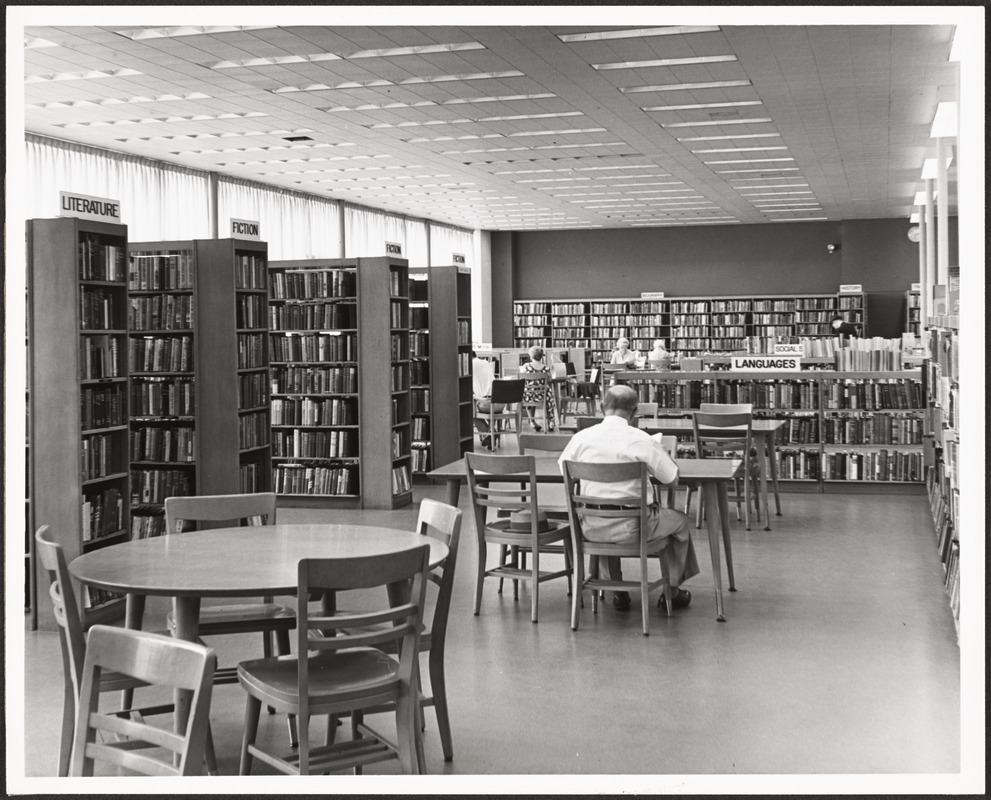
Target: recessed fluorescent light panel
[
  {"x": 113, "y": 101},
  {"x": 751, "y": 121},
  {"x": 189, "y": 30},
  {"x": 739, "y": 149},
  {"x": 637, "y": 33},
  {"x": 664, "y": 62},
  {"x": 694, "y": 106},
  {"x": 750, "y": 161},
  {"x": 33, "y": 43},
  {"x": 89, "y": 75},
  {"x": 169, "y": 120},
  {"x": 733, "y": 136},
  {"x": 475, "y": 76},
  {"x": 679, "y": 87},
  {"x": 317, "y": 57}
]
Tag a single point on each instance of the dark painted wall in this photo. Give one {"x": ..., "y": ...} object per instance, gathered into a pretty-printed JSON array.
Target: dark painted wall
[{"x": 786, "y": 258}]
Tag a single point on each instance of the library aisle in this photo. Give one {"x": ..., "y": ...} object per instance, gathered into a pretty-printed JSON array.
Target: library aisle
[{"x": 839, "y": 656}]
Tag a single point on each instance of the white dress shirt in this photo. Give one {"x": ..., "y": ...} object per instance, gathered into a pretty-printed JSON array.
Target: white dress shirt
[{"x": 482, "y": 373}]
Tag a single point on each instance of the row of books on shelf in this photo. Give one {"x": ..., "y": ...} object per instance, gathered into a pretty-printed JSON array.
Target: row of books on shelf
[
  {"x": 101, "y": 260},
  {"x": 100, "y": 455},
  {"x": 162, "y": 444},
  {"x": 251, "y": 350},
  {"x": 419, "y": 344},
  {"x": 146, "y": 525},
  {"x": 400, "y": 377},
  {"x": 315, "y": 444},
  {"x": 102, "y": 514},
  {"x": 103, "y": 407},
  {"x": 307, "y": 284},
  {"x": 419, "y": 288},
  {"x": 250, "y": 271},
  {"x": 166, "y": 312},
  {"x": 420, "y": 400},
  {"x": 251, "y": 478},
  {"x": 251, "y": 311},
  {"x": 161, "y": 354},
  {"x": 312, "y": 316},
  {"x": 94, "y": 598},
  {"x": 313, "y": 347},
  {"x": 314, "y": 380},
  {"x": 170, "y": 397},
  {"x": 154, "y": 485},
  {"x": 421, "y": 458},
  {"x": 792, "y": 395},
  {"x": 341, "y": 480},
  {"x": 880, "y": 465},
  {"x": 100, "y": 356},
  {"x": 464, "y": 365},
  {"x": 308, "y": 411},
  {"x": 401, "y": 482},
  {"x": 398, "y": 314},
  {"x": 154, "y": 271},
  {"x": 883, "y": 429},
  {"x": 852, "y": 360},
  {"x": 100, "y": 309},
  {"x": 400, "y": 443},
  {"x": 421, "y": 428},
  {"x": 419, "y": 371},
  {"x": 873, "y": 395},
  {"x": 398, "y": 347},
  {"x": 252, "y": 430},
  {"x": 252, "y": 390},
  {"x": 398, "y": 287},
  {"x": 464, "y": 332}
]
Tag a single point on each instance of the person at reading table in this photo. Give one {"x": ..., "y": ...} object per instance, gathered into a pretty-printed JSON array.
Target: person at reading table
[
  {"x": 841, "y": 327},
  {"x": 482, "y": 374},
  {"x": 658, "y": 357},
  {"x": 618, "y": 439},
  {"x": 535, "y": 392},
  {"x": 622, "y": 354}
]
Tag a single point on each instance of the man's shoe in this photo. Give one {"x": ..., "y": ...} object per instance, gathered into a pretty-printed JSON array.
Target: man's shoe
[
  {"x": 621, "y": 601},
  {"x": 682, "y": 599},
  {"x": 487, "y": 442}
]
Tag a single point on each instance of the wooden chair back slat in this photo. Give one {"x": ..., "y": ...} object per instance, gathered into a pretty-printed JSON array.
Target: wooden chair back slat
[{"x": 256, "y": 508}]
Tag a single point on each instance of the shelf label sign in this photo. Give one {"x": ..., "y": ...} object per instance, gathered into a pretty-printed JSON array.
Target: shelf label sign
[
  {"x": 851, "y": 288},
  {"x": 393, "y": 249},
  {"x": 83, "y": 206},
  {"x": 246, "y": 229},
  {"x": 789, "y": 350},
  {"x": 459, "y": 258},
  {"x": 916, "y": 287},
  {"x": 651, "y": 295},
  {"x": 773, "y": 363}
]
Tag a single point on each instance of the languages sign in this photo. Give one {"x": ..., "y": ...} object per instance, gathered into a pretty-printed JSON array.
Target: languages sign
[
  {"x": 246, "y": 229},
  {"x": 774, "y": 363},
  {"x": 85, "y": 207}
]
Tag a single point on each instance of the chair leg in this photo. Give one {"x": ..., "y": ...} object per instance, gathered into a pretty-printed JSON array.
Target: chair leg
[
  {"x": 578, "y": 565},
  {"x": 68, "y": 726},
  {"x": 644, "y": 599},
  {"x": 666, "y": 574},
  {"x": 406, "y": 732},
  {"x": 357, "y": 718},
  {"x": 439, "y": 690},
  {"x": 480, "y": 576},
  {"x": 283, "y": 648},
  {"x": 210, "y": 754},
  {"x": 503, "y": 549},
  {"x": 535, "y": 589},
  {"x": 568, "y": 559},
  {"x": 699, "y": 513},
  {"x": 252, "y": 712},
  {"x": 514, "y": 559}
]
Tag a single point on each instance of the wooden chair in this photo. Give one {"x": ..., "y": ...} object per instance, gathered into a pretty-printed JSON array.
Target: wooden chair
[
  {"x": 507, "y": 392},
  {"x": 581, "y": 507},
  {"x": 538, "y": 384},
  {"x": 267, "y": 617},
  {"x": 574, "y": 392},
  {"x": 340, "y": 668},
  {"x": 442, "y": 522},
  {"x": 727, "y": 433},
  {"x": 487, "y": 479},
  {"x": 72, "y": 642},
  {"x": 150, "y": 659},
  {"x": 581, "y": 423},
  {"x": 647, "y": 410}
]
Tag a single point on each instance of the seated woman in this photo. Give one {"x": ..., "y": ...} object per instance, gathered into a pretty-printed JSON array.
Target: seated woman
[
  {"x": 622, "y": 354},
  {"x": 537, "y": 392},
  {"x": 658, "y": 357}
]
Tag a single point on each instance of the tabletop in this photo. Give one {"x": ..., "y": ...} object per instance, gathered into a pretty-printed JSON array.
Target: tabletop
[
  {"x": 254, "y": 561},
  {"x": 547, "y": 470}
]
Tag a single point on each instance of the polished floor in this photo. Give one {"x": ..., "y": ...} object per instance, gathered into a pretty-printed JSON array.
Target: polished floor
[{"x": 838, "y": 656}]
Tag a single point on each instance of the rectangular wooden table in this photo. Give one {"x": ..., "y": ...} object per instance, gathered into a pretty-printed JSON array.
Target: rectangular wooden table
[{"x": 712, "y": 474}]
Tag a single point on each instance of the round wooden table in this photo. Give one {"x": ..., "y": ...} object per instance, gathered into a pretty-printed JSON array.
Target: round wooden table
[{"x": 229, "y": 562}]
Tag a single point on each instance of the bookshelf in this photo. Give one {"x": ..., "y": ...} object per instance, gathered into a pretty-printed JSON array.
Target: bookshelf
[
  {"x": 198, "y": 373},
  {"x": 340, "y": 342},
  {"x": 689, "y": 326},
  {"x": 942, "y": 436},
  {"x": 913, "y": 311},
  {"x": 78, "y": 415},
  {"x": 440, "y": 349},
  {"x": 850, "y": 429}
]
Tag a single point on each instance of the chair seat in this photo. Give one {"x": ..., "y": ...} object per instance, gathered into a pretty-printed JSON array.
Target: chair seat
[
  {"x": 241, "y": 617},
  {"x": 498, "y": 532},
  {"x": 333, "y": 677}
]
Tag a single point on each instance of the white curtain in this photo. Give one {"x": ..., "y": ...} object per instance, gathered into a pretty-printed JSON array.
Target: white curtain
[
  {"x": 296, "y": 226},
  {"x": 416, "y": 243},
  {"x": 446, "y": 241},
  {"x": 158, "y": 201}
]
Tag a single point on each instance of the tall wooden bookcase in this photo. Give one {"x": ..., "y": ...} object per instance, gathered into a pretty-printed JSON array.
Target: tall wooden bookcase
[
  {"x": 78, "y": 427},
  {"x": 199, "y": 372},
  {"x": 339, "y": 331},
  {"x": 440, "y": 333}
]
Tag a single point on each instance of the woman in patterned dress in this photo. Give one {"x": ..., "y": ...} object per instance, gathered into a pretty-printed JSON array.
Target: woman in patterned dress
[{"x": 534, "y": 392}]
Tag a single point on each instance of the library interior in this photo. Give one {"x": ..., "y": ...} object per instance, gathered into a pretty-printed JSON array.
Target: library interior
[{"x": 582, "y": 396}]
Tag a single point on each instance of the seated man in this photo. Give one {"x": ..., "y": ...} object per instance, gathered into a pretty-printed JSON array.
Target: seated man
[
  {"x": 841, "y": 327},
  {"x": 617, "y": 439},
  {"x": 482, "y": 374}
]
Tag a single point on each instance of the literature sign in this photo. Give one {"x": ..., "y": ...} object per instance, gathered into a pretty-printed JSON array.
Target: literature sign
[
  {"x": 83, "y": 206},
  {"x": 246, "y": 229},
  {"x": 851, "y": 288},
  {"x": 773, "y": 363},
  {"x": 393, "y": 249},
  {"x": 651, "y": 295},
  {"x": 789, "y": 349},
  {"x": 916, "y": 287}
]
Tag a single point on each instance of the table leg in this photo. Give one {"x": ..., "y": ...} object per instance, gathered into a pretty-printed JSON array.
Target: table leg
[
  {"x": 453, "y": 491},
  {"x": 762, "y": 474},
  {"x": 187, "y": 627},
  {"x": 134, "y": 611},
  {"x": 772, "y": 452},
  {"x": 724, "y": 526},
  {"x": 712, "y": 521}
]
